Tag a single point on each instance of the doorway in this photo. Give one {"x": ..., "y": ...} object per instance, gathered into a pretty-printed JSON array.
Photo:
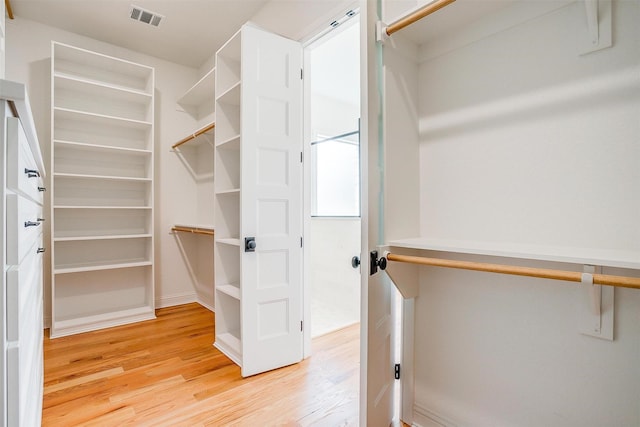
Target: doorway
[{"x": 332, "y": 174}]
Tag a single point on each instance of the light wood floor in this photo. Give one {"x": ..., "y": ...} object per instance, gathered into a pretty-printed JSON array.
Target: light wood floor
[{"x": 166, "y": 372}]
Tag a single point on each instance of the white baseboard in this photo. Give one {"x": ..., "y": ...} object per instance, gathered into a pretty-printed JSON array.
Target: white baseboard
[
  {"x": 423, "y": 417},
  {"x": 163, "y": 302},
  {"x": 176, "y": 299},
  {"x": 179, "y": 299},
  {"x": 206, "y": 305}
]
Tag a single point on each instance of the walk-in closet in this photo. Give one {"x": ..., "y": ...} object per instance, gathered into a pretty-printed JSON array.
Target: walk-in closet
[{"x": 320, "y": 213}]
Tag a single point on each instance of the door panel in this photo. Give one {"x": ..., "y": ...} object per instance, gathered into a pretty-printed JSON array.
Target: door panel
[
  {"x": 271, "y": 201},
  {"x": 380, "y": 372}
]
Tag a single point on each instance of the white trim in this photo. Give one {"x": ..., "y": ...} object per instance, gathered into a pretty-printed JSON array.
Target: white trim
[
  {"x": 424, "y": 417},
  {"x": 369, "y": 109},
  {"x": 308, "y": 41},
  {"x": 320, "y": 25},
  {"x": 306, "y": 208},
  {"x": 407, "y": 361},
  {"x": 177, "y": 299},
  {"x": 206, "y": 305}
]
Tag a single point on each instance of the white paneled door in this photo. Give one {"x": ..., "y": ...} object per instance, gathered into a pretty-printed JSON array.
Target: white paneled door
[
  {"x": 377, "y": 366},
  {"x": 271, "y": 202}
]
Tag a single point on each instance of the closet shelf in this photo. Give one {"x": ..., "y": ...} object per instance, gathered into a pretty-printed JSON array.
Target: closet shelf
[
  {"x": 102, "y": 237},
  {"x": 78, "y": 268},
  {"x": 195, "y": 229},
  {"x": 68, "y": 113},
  {"x": 233, "y": 290},
  {"x": 101, "y": 177},
  {"x": 201, "y": 92},
  {"x": 230, "y": 341},
  {"x": 231, "y": 191},
  {"x": 232, "y": 143},
  {"x": 97, "y": 88},
  {"x": 92, "y": 65},
  {"x": 229, "y": 241},
  {"x": 193, "y": 136},
  {"x": 590, "y": 256},
  {"x": 101, "y": 148},
  {"x": 231, "y": 96},
  {"x": 100, "y": 207}
]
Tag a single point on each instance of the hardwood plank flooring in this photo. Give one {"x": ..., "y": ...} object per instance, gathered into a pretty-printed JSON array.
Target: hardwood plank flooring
[{"x": 166, "y": 372}]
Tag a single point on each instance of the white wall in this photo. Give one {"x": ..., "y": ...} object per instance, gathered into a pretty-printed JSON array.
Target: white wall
[
  {"x": 506, "y": 124},
  {"x": 28, "y": 60},
  {"x": 538, "y": 142},
  {"x": 335, "y": 285}
]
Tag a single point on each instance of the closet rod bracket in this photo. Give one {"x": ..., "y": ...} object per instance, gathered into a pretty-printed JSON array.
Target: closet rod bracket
[
  {"x": 596, "y": 309},
  {"x": 381, "y": 32},
  {"x": 591, "y": 7}
]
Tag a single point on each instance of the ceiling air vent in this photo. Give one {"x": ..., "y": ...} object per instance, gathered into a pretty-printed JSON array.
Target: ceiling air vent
[{"x": 145, "y": 16}]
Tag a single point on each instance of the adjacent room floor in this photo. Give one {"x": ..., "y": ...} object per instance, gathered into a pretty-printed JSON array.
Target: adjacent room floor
[{"x": 166, "y": 372}]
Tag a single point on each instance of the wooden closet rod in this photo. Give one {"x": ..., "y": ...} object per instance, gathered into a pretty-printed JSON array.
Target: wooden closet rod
[
  {"x": 570, "y": 276},
  {"x": 7, "y": 5},
  {"x": 417, "y": 15},
  {"x": 194, "y": 230},
  {"x": 195, "y": 135}
]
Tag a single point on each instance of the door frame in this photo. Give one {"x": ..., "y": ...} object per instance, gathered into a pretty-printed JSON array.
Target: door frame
[
  {"x": 307, "y": 174},
  {"x": 370, "y": 182}
]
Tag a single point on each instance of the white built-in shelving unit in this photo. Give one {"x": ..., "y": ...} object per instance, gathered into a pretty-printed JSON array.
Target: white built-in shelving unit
[
  {"x": 258, "y": 178},
  {"x": 102, "y": 193},
  {"x": 227, "y": 201}
]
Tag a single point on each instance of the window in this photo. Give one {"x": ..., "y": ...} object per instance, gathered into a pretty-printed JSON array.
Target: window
[{"x": 336, "y": 175}]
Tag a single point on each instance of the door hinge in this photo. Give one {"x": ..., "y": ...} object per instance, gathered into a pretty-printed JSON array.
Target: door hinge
[
  {"x": 301, "y": 157},
  {"x": 300, "y": 241},
  {"x": 301, "y": 74},
  {"x": 396, "y": 371},
  {"x": 301, "y": 325}
]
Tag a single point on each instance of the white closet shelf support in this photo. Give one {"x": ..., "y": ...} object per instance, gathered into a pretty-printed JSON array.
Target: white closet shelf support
[{"x": 597, "y": 35}]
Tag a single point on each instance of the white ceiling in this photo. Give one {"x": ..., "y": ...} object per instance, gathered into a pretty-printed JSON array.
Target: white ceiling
[{"x": 190, "y": 33}]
